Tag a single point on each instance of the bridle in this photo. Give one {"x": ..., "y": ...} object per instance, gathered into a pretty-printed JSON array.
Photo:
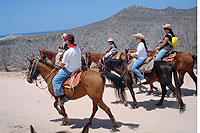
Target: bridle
[{"x": 33, "y": 71}]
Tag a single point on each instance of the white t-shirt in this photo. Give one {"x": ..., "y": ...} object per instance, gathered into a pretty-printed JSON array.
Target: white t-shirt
[
  {"x": 72, "y": 58},
  {"x": 141, "y": 51}
]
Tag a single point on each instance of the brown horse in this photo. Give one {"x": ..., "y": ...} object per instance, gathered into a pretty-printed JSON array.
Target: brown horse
[
  {"x": 96, "y": 58},
  {"x": 93, "y": 57},
  {"x": 47, "y": 54},
  {"x": 91, "y": 84}
]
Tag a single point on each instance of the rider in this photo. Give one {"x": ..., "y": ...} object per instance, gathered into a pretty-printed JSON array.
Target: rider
[
  {"x": 61, "y": 49},
  {"x": 111, "y": 50},
  {"x": 71, "y": 61},
  {"x": 165, "y": 46},
  {"x": 141, "y": 55}
]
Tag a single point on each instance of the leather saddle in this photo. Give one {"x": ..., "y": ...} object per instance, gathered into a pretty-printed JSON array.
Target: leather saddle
[
  {"x": 146, "y": 67},
  {"x": 73, "y": 80}
]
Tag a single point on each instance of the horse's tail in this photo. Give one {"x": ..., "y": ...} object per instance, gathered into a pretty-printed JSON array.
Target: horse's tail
[
  {"x": 178, "y": 89},
  {"x": 117, "y": 82}
]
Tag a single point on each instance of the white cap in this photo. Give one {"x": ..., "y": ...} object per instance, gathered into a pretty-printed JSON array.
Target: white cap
[
  {"x": 110, "y": 39},
  {"x": 63, "y": 35}
]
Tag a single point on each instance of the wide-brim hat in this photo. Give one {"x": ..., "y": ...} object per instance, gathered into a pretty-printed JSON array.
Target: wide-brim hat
[
  {"x": 168, "y": 26},
  {"x": 139, "y": 35}
]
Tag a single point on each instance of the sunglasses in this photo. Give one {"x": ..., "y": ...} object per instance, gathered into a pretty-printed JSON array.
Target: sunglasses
[{"x": 166, "y": 29}]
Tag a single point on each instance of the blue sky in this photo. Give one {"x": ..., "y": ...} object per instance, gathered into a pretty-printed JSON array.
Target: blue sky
[{"x": 25, "y": 16}]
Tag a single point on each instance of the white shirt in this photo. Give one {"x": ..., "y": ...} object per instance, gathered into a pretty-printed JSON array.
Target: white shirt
[
  {"x": 141, "y": 51},
  {"x": 113, "y": 49},
  {"x": 72, "y": 58}
]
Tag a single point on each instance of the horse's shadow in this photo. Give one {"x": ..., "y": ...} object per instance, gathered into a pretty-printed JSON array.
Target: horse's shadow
[
  {"x": 151, "y": 104},
  {"x": 96, "y": 123}
]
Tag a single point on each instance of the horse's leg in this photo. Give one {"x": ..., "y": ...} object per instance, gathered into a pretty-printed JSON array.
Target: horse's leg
[
  {"x": 164, "y": 91},
  {"x": 66, "y": 120},
  {"x": 193, "y": 76},
  {"x": 86, "y": 127},
  {"x": 56, "y": 106},
  {"x": 133, "y": 95},
  {"x": 103, "y": 106},
  {"x": 180, "y": 77},
  {"x": 177, "y": 92}
]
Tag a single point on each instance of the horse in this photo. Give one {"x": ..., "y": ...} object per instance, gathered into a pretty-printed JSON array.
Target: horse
[
  {"x": 161, "y": 72},
  {"x": 47, "y": 54},
  {"x": 92, "y": 84},
  {"x": 184, "y": 63},
  {"x": 97, "y": 58},
  {"x": 93, "y": 57}
]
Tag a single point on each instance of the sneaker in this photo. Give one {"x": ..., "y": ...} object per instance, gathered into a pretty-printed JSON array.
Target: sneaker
[
  {"x": 143, "y": 81},
  {"x": 63, "y": 99}
]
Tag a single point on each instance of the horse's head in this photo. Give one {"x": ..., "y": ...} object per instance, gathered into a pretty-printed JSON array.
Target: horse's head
[
  {"x": 32, "y": 73},
  {"x": 42, "y": 54}
]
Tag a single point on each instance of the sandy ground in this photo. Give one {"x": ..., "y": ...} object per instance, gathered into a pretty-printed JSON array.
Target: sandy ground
[{"x": 23, "y": 104}]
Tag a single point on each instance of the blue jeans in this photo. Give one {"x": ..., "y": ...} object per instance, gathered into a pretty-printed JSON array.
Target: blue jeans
[
  {"x": 161, "y": 54},
  {"x": 135, "y": 66},
  {"x": 58, "y": 80}
]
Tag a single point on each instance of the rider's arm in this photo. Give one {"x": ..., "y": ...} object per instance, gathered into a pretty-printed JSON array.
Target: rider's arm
[
  {"x": 163, "y": 44},
  {"x": 107, "y": 50}
]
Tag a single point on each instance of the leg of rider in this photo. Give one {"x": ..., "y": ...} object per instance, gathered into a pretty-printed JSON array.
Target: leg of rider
[
  {"x": 135, "y": 66},
  {"x": 58, "y": 80},
  {"x": 161, "y": 54}
]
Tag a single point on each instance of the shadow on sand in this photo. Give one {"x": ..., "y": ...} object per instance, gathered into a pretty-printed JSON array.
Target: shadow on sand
[{"x": 96, "y": 123}]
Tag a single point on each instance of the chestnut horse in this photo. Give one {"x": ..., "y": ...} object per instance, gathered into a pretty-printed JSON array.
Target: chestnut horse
[
  {"x": 47, "y": 54},
  {"x": 162, "y": 72},
  {"x": 96, "y": 58},
  {"x": 184, "y": 63},
  {"x": 91, "y": 84}
]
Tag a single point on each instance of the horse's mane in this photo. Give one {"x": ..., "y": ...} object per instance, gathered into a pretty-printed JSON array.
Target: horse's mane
[{"x": 46, "y": 62}]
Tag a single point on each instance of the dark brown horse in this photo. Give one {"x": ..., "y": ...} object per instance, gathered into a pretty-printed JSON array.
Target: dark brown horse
[
  {"x": 162, "y": 72},
  {"x": 47, "y": 54},
  {"x": 91, "y": 84},
  {"x": 184, "y": 63}
]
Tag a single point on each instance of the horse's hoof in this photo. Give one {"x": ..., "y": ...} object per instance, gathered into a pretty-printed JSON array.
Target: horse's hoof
[
  {"x": 64, "y": 123},
  {"x": 114, "y": 127}
]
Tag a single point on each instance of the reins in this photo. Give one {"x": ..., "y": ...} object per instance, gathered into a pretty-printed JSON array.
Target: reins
[{"x": 41, "y": 79}]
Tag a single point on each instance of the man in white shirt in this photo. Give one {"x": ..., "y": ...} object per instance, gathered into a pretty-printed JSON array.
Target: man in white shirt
[{"x": 70, "y": 62}]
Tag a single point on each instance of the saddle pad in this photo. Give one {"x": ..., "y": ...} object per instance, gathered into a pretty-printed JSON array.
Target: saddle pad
[
  {"x": 72, "y": 81},
  {"x": 147, "y": 68}
]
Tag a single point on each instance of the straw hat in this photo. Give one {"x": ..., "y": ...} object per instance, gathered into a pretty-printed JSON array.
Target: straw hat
[
  {"x": 139, "y": 35},
  {"x": 167, "y": 26}
]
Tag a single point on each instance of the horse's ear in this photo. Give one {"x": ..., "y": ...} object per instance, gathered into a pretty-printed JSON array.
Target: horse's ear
[
  {"x": 126, "y": 50},
  {"x": 30, "y": 60}
]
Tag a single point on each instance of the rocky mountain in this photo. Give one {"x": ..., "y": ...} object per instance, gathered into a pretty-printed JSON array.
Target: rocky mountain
[{"x": 14, "y": 50}]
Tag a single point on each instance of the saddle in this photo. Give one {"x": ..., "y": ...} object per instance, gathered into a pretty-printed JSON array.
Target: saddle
[
  {"x": 114, "y": 55},
  {"x": 73, "y": 80},
  {"x": 170, "y": 57},
  {"x": 146, "y": 67}
]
